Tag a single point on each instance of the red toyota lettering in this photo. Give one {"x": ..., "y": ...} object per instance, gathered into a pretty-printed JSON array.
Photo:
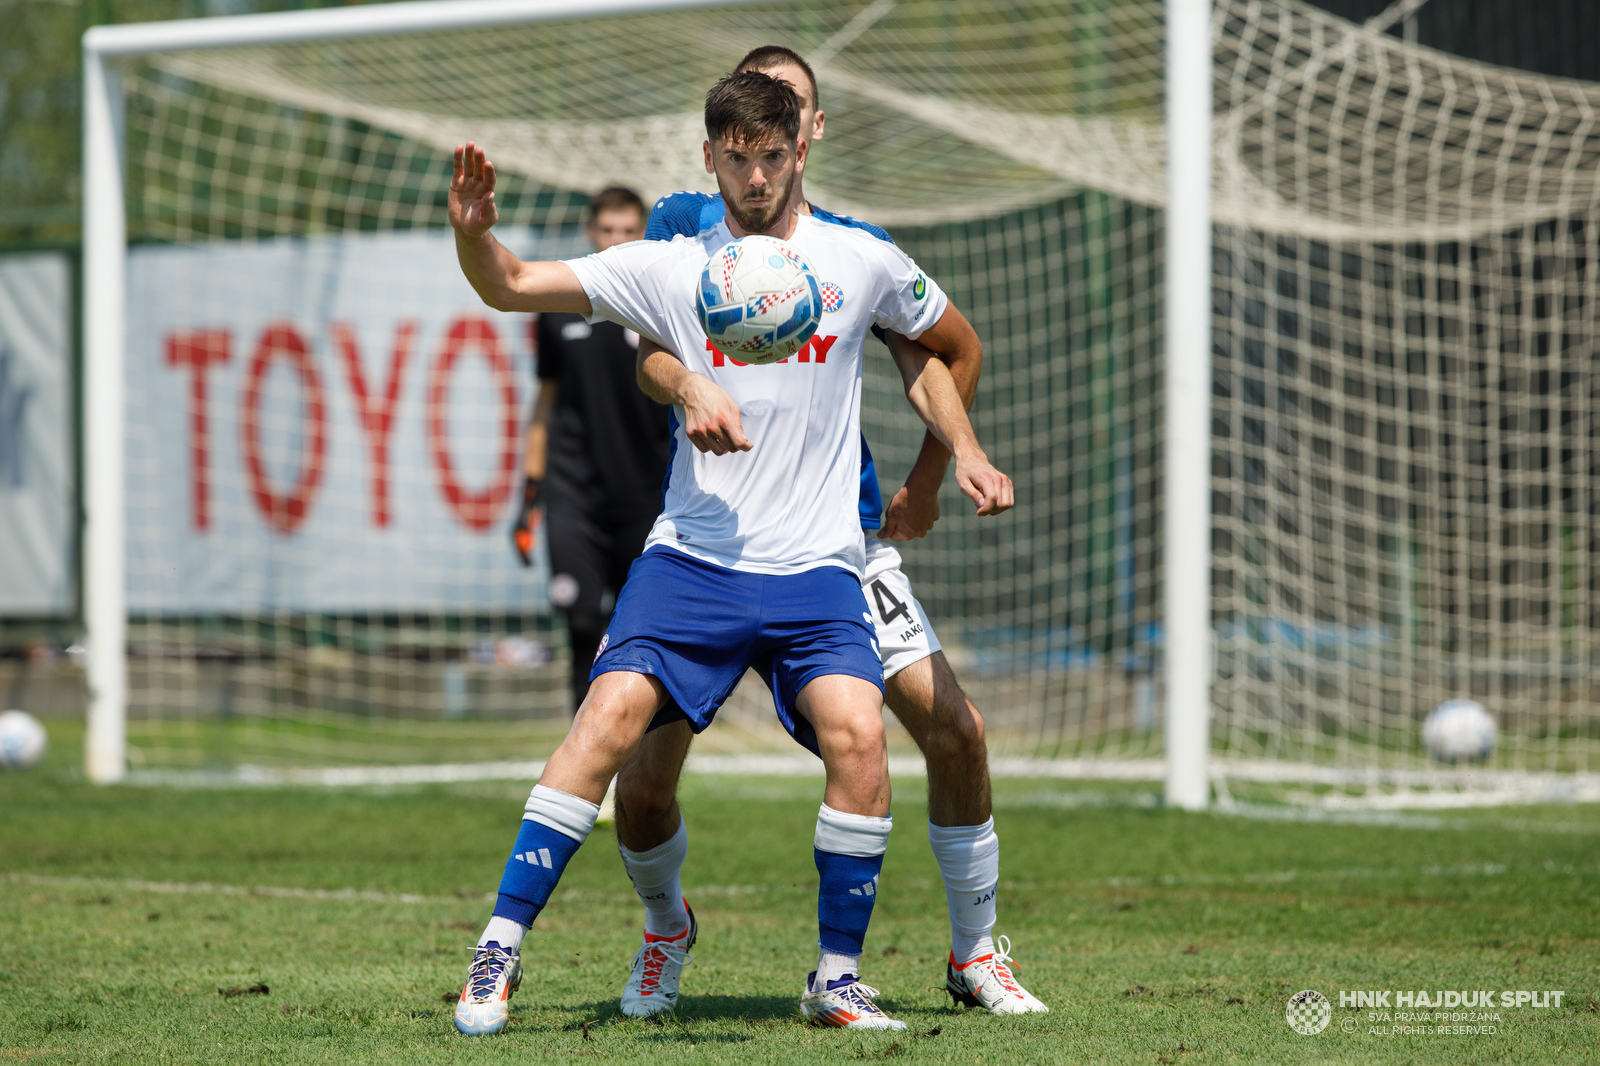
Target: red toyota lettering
[
  {"x": 377, "y": 416},
  {"x": 284, "y": 512},
  {"x": 819, "y": 345},
  {"x": 196, "y": 351},
  {"x": 717, "y": 357},
  {"x": 476, "y": 510}
]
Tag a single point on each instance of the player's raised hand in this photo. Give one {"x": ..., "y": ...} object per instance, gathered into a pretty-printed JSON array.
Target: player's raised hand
[
  {"x": 910, "y": 515},
  {"x": 710, "y": 417},
  {"x": 472, "y": 207},
  {"x": 984, "y": 485}
]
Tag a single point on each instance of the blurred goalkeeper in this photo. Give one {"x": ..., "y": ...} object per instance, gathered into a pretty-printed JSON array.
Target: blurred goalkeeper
[{"x": 596, "y": 454}]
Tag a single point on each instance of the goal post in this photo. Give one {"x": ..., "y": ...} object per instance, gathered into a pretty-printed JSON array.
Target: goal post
[
  {"x": 1187, "y": 454},
  {"x": 104, "y": 296}
]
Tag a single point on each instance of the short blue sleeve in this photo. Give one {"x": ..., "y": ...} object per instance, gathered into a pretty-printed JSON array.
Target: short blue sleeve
[
  {"x": 677, "y": 214},
  {"x": 850, "y": 223}
]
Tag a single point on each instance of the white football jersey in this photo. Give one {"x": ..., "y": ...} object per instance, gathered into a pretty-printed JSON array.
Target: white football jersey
[{"x": 790, "y": 503}]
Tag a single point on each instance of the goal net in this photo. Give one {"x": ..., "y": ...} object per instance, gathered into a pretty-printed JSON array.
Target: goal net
[{"x": 324, "y": 423}]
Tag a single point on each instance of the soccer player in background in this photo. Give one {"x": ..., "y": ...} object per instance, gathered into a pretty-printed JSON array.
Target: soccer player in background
[
  {"x": 596, "y": 453},
  {"x": 757, "y": 558},
  {"x": 919, "y": 685}
]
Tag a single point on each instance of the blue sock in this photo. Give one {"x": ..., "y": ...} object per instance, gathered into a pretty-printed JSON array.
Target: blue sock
[
  {"x": 532, "y": 871},
  {"x": 849, "y": 853},
  {"x": 844, "y": 900},
  {"x": 542, "y": 852}
]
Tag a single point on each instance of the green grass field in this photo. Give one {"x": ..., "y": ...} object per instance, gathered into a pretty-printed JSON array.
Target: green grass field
[{"x": 1155, "y": 936}]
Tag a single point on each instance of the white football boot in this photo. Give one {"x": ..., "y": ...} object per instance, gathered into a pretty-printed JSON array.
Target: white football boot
[
  {"x": 987, "y": 982},
  {"x": 652, "y": 988},
  {"x": 844, "y": 1004},
  {"x": 485, "y": 1003}
]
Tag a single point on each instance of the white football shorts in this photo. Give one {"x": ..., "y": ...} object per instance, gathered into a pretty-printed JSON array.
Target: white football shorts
[{"x": 904, "y": 633}]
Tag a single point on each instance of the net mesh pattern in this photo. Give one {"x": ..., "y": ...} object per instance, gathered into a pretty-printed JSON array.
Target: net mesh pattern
[{"x": 1404, "y": 386}]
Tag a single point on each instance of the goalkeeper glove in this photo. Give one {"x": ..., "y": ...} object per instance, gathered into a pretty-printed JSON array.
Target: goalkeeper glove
[{"x": 526, "y": 529}]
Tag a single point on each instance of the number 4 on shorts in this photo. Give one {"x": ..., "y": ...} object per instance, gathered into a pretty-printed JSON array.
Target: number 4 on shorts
[{"x": 889, "y": 608}]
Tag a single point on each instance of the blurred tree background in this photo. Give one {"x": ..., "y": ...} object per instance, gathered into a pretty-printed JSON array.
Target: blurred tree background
[
  {"x": 41, "y": 181},
  {"x": 40, "y": 73}
]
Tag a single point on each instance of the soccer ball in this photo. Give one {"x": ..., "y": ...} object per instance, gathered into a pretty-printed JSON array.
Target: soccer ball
[
  {"x": 759, "y": 300},
  {"x": 22, "y": 740},
  {"x": 1457, "y": 730}
]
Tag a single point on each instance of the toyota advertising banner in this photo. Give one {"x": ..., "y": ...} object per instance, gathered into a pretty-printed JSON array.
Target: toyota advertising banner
[{"x": 325, "y": 425}]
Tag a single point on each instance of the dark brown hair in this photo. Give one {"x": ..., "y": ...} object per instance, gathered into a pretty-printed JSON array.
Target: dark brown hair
[
  {"x": 613, "y": 198},
  {"x": 748, "y": 105},
  {"x": 776, "y": 55}
]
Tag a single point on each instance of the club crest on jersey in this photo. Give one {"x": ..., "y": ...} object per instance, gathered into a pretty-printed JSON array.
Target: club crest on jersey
[
  {"x": 832, "y": 297},
  {"x": 605, "y": 641}
]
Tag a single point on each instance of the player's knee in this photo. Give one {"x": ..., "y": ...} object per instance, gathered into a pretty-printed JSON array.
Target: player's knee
[{"x": 860, "y": 735}]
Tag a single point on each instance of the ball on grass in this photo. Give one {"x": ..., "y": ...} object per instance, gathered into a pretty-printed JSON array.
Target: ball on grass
[
  {"x": 1459, "y": 730},
  {"x": 22, "y": 740}
]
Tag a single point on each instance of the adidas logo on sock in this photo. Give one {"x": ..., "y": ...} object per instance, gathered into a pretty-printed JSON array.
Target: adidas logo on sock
[
  {"x": 868, "y": 889},
  {"x": 538, "y": 858}
]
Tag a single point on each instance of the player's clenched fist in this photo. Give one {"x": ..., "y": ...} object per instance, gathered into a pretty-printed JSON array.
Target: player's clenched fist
[
  {"x": 710, "y": 417},
  {"x": 472, "y": 207},
  {"x": 909, "y": 515},
  {"x": 984, "y": 485}
]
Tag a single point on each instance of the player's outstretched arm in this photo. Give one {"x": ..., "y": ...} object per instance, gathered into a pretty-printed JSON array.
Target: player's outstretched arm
[
  {"x": 710, "y": 417},
  {"x": 913, "y": 510},
  {"x": 504, "y": 282},
  {"x": 932, "y": 391}
]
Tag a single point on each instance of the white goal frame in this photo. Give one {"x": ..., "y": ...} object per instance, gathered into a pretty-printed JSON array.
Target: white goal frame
[{"x": 1187, "y": 449}]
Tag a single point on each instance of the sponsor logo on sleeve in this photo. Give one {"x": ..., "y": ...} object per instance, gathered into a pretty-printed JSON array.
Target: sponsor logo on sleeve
[{"x": 919, "y": 288}]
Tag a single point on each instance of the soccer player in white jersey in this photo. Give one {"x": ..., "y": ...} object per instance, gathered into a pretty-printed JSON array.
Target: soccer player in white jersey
[
  {"x": 756, "y": 560},
  {"x": 919, "y": 685}
]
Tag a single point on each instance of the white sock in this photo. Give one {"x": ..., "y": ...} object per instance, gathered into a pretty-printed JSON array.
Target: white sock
[
  {"x": 831, "y": 966},
  {"x": 561, "y": 811},
  {"x": 505, "y": 932},
  {"x": 654, "y": 874},
  {"x": 969, "y": 860}
]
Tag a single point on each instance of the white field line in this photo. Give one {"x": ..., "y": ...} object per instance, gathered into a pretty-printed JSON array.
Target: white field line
[
  {"x": 353, "y": 895},
  {"x": 753, "y": 765},
  {"x": 346, "y": 895},
  {"x": 1444, "y": 789},
  {"x": 207, "y": 888}
]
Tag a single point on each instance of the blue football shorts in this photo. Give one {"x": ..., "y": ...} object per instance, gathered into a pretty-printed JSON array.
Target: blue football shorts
[{"x": 698, "y": 627}]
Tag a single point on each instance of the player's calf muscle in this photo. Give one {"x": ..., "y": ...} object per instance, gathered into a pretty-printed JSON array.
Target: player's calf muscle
[
  {"x": 929, "y": 702},
  {"x": 647, "y": 810},
  {"x": 948, "y": 729}
]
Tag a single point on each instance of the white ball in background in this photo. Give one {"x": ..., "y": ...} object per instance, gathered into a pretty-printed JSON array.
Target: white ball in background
[
  {"x": 22, "y": 740},
  {"x": 1459, "y": 730}
]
